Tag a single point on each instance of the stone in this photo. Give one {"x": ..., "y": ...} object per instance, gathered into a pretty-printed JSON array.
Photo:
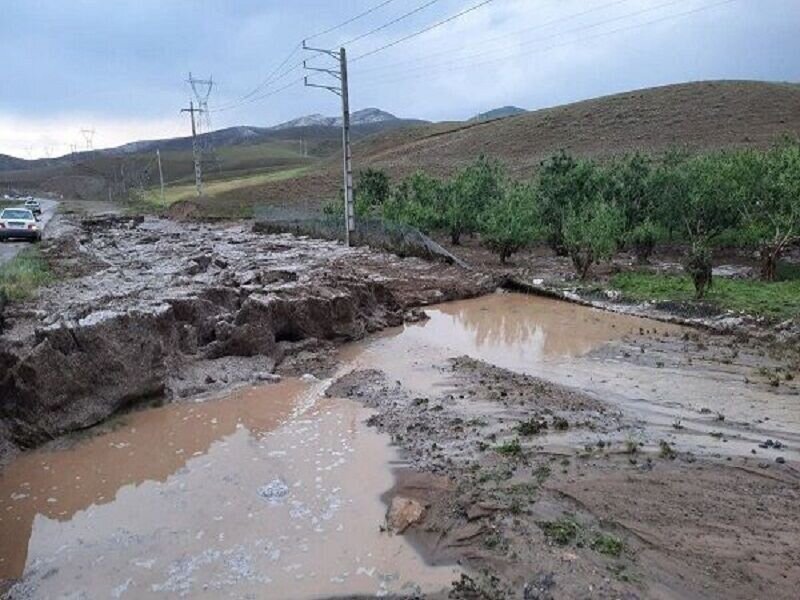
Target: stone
[{"x": 403, "y": 512}]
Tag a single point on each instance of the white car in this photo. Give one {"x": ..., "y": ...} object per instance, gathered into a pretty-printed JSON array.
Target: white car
[
  {"x": 33, "y": 206},
  {"x": 19, "y": 223}
]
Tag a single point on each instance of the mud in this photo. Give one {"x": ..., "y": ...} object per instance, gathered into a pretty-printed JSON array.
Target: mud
[
  {"x": 525, "y": 447},
  {"x": 589, "y": 467},
  {"x": 158, "y": 309}
]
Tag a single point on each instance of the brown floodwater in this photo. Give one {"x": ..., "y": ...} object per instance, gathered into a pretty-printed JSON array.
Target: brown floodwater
[{"x": 275, "y": 491}]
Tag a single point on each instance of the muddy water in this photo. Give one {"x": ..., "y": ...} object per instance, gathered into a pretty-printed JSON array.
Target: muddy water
[
  {"x": 584, "y": 348},
  {"x": 275, "y": 491}
]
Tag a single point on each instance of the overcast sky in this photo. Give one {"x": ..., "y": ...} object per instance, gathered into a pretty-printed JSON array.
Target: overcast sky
[{"x": 120, "y": 66}]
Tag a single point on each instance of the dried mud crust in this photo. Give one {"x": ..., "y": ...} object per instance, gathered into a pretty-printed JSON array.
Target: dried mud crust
[
  {"x": 609, "y": 520},
  {"x": 157, "y": 308}
]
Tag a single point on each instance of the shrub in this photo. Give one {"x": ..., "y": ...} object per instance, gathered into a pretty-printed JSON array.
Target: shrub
[{"x": 468, "y": 194}]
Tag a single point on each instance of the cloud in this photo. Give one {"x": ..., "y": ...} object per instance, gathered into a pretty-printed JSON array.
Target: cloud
[{"x": 123, "y": 65}]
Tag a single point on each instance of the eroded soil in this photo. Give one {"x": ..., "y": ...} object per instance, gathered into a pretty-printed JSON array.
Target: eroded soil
[{"x": 525, "y": 447}]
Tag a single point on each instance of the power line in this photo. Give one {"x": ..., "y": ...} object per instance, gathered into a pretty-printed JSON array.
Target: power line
[
  {"x": 545, "y": 38},
  {"x": 276, "y": 74},
  {"x": 348, "y": 21},
  {"x": 585, "y": 39},
  {"x": 390, "y": 23},
  {"x": 422, "y": 31},
  {"x": 497, "y": 38}
]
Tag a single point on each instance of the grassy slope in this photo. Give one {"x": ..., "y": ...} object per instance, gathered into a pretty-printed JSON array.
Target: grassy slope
[{"x": 705, "y": 115}]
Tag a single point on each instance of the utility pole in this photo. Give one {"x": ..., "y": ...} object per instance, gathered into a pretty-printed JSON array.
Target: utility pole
[
  {"x": 160, "y": 174},
  {"x": 347, "y": 159},
  {"x": 198, "y": 169}
]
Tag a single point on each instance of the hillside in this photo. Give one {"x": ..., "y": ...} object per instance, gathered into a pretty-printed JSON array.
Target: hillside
[
  {"x": 499, "y": 113},
  {"x": 700, "y": 116}
]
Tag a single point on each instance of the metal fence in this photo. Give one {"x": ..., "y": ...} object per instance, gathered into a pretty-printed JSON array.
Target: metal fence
[{"x": 402, "y": 240}]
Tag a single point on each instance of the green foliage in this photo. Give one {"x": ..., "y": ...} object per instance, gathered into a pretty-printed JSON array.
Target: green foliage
[
  {"x": 590, "y": 233},
  {"x": 510, "y": 222},
  {"x": 565, "y": 185},
  {"x": 767, "y": 194},
  {"x": 372, "y": 190},
  {"x": 697, "y": 265},
  {"x": 642, "y": 240},
  {"x": 23, "y": 275},
  {"x": 510, "y": 448},
  {"x": 467, "y": 195},
  {"x": 607, "y": 544},
  {"x": 417, "y": 201},
  {"x": 562, "y": 532}
]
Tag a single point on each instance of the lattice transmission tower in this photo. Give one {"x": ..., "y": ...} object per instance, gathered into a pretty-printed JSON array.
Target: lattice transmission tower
[{"x": 202, "y": 88}]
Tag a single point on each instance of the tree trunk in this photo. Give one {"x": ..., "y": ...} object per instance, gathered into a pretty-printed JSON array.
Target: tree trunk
[
  {"x": 769, "y": 263},
  {"x": 455, "y": 238}
]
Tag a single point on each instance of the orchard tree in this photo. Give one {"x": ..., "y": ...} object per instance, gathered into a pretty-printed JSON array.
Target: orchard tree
[
  {"x": 630, "y": 186},
  {"x": 467, "y": 195},
  {"x": 708, "y": 210},
  {"x": 591, "y": 232},
  {"x": 565, "y": 185},
  {"x": 372, "y": 190},
  {"x": 768, "y": 197},
  {"x": 670, "y": 186},
  {"x": 510, "y": 223},
  {"x": 417, "y": 201}
]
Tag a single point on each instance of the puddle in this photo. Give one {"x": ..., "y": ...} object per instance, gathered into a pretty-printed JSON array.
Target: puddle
[
  {"x": 275, "y": 491},
  {"x": 272, "y": 491}
]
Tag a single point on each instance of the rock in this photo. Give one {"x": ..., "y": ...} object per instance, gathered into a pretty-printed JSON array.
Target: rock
[
  {"x": 309, "y": 378},
  {"x": 270, "y": 377},
  {"x": 402, "y": 513},
  {"x": 780, "y": 460}
]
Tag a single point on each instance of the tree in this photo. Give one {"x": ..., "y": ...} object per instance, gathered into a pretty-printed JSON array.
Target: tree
[
  {"x": 510, "y": 222},
  {"x": 768, "y": 197},
  {"x": 372, "y": 190},
  {"x": 468, "y": 194},
  {"x": 417, "y": 202},
  {"x": 590, "y": 233},
  {"x": 708, "y": 210},
  {"x": 669, "y": 185},
  {"x": 630, "y": 186},
  {"x": 565, "y": 184}
]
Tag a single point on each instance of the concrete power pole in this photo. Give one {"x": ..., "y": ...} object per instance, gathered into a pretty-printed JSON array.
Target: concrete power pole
[
  {"x": 347, "y": 158},
  {"x": 198, "y": 169},
  {"x": 160, "y": 174}
]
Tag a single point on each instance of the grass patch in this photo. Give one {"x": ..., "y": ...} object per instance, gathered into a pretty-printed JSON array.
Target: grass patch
[
  {"x": 607, "y": 544},
  {"x": 175, "y": 193},
  {"x": 561, "y": 532},
  {"x": 779, "y": 299},
  {"x": 510, "y": 448},
  {"x": 23, "y": 275}
]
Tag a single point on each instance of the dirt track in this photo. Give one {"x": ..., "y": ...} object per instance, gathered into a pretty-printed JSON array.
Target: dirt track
[{"x": 551, "y": 450}]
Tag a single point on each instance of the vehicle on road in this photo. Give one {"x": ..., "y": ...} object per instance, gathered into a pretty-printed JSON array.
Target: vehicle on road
[
  {"x": 19, "y": 223},
  {"x": 33, "y": 206}
]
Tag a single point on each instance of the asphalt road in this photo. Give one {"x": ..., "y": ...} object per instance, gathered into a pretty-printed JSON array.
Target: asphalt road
[{"x": 9, "y": 249}]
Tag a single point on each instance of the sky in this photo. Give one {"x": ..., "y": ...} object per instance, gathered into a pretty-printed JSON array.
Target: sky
[{"x": 120, "y": 67}]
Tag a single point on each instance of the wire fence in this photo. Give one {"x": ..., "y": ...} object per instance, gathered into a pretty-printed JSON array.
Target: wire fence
[{"x": 402, "y": 240}]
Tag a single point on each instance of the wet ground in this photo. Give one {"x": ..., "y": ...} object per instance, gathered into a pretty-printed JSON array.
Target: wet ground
[{"x": 496, "y": 415}]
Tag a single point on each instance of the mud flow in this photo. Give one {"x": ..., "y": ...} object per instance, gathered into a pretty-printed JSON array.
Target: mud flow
[{"x": 276, "y": 491}]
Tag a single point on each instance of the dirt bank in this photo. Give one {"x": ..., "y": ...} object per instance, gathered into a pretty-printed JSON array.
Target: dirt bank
[
  {"x": 158, "y": 309},
  {"x": 513, "y": 488}
]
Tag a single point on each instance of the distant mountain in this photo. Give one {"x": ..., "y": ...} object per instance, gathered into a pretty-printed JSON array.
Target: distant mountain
[
  {"x": 360, "y": 117},
  {"x": 311, "y": 128},
  {"x": 499, "y": 113}
]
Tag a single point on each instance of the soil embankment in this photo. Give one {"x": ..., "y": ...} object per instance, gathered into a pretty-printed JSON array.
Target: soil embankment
[{"x": 166, "y": 310}]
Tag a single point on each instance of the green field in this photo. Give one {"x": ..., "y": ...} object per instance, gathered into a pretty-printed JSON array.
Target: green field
[
  {"x": 188, "y": 191},
  {"x": 779, "y": 299}
]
